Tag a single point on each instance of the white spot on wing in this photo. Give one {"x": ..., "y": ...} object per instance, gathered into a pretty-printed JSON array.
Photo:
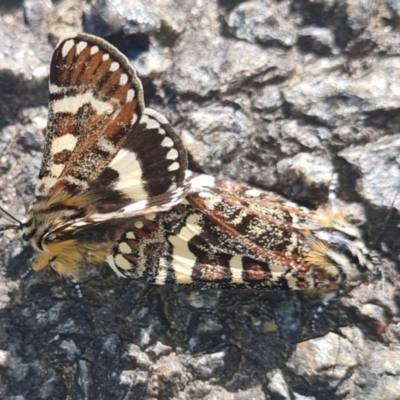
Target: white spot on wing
[
  {"x": 236, "y": 269},
  {"x": 162, "y": 272},
  {"x": 135, "y": 208},
  {"x": 80, "y": 47},
  {"x": 151, "y": 216},
  {"x": 183, "y": 259},
  {"x": 174, "y": 166},
  {"x": 172, "y": 154},
  {"x": 114, "y": 66},
  {"x": 104, "y": 144},
  {"x": 67, "y": 47},
  {"x": 152, "y": 124},
  {"x": 123, "y": 79},
  {"x": 105, "y": 57},
  {"x": 201, "y": 181},
  {"x": 130, "y": 235},
  {"x": 138, "y": 224},
  {"x": 46, "y": 183},
  {"x": 167, "y": 142},
  {"x": 122, "y": 262},
  {"x": 72, "y": 104},
  {"x": 65, "y": 142},
  {"x": 124, "y": 248},
  {"x": 130, "y": 95},
  {"x": 111, "y": 263},
  {"x": 253, "y": 193},
  {"x": 130, "y": 175},
  {"x": 54, "y": 88},
  {"x": 94, "y": 50},
  {"x": 57, "y": 169},
  {"x": 144, "y": 120}
]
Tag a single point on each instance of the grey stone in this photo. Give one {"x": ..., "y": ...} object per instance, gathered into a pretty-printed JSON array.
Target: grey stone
[
  {"x": 207, "y": 366},
  {"x": 358, "y": 13},
  {"x": 305, "y": 173},
  {"x": 232, "y": 63},
  {"x": 69, "y": 349},
  {"x": 258, "y": 22},
  {"x": 278, "y": 385},
  {"x": 175, "y": 15},
  {"x": 317, "y": 40},
  {"x": 36, "y": 15},
  {"x": 65, "y": 16},
  {"x": 150, "y": 63},
  {"x": 326, "y": 360},
  {"x": 142, "y": 360},
  {"x": 205, "y": 332},
  {"x": 269, "y": 100},
  {"x": 331, "y": 100},
  {"x": 379, "y": 165},
  {"x": 108, "y": 17},
  {"x": 218, "y": 133},
  {"x": 84, "y": 378},
  {"x": 387, "y": 388}
]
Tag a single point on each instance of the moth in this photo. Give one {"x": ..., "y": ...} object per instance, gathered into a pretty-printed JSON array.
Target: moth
[
  {"x": 226, "y": 234},
  {"x": 114, "y": 187},
  {"x": 106, "y": 159}
]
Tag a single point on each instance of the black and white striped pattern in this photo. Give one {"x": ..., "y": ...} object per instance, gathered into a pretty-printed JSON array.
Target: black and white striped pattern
[
  {"x": 106, "y": 156},
  {"x": 226, "y": 234}
]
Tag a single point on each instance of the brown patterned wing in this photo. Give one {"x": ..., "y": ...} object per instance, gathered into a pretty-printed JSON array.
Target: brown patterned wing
[
  {"x": 227, "y": 234},
  {"x": 102, "y": 145},
  {"x": 96, "y": 101}
]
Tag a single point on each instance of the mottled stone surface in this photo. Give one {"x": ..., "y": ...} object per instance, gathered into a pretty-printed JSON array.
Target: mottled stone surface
[{"x": 279, "y": 94}]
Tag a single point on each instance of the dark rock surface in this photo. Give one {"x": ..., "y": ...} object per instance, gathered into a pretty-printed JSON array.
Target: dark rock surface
[{"x": 279, "y": 94}]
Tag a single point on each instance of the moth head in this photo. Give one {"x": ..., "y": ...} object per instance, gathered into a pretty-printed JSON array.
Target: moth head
[
  {"x": 343, "y": 244},
  {"x": 48, "y": 219}
]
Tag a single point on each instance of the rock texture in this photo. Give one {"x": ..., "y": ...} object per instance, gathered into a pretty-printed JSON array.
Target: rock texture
[{"x": 280, "y": 94}]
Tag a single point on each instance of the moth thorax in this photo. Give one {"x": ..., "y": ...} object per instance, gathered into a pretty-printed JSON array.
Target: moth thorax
[
  {"x": 42, "y": 222},
  {"x": 346, "y": 250}
]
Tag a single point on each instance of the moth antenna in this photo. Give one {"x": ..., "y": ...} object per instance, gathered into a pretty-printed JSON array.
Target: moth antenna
[
  {"x": 332, "y": 194},
  {"x": 14, "y": 228},
  {"x": 7, "y": 215},
  {"x": 330, "y": 298}
]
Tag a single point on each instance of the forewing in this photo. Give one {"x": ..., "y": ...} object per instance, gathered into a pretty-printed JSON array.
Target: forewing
[
  {"x": 102, "y": 145},
  {"x": 216, "y": 238},
  {"x": 96, "y": 101}
]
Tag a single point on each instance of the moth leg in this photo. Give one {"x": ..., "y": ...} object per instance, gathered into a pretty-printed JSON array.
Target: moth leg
[
  {"x": 27, "y": 272},
  {"x": 77, "y": 288},
  {"x": 327, "y": 300}
]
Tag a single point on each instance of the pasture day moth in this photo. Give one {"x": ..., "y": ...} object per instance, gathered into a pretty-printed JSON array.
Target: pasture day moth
[{"x": 114, "y": 187}]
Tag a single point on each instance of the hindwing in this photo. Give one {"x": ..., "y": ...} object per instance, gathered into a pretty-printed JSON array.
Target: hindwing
[
  {"x": 106, "y": 158},
  {"x": 226, "y": 234}
]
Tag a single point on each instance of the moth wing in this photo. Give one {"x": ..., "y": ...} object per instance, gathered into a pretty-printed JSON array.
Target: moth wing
[
  {"x": 192, "y": 245},
  {"x": 147, "y": 174},
  {"x": 102, "y": 145},
  {"x": 96, "y": 101}
]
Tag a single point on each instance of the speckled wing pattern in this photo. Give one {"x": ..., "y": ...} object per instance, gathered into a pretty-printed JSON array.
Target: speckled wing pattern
[
  {"x": 100, "y": 139},
  {"x": 106, "y": 156},
  {"x": 226, "y": 234}
]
